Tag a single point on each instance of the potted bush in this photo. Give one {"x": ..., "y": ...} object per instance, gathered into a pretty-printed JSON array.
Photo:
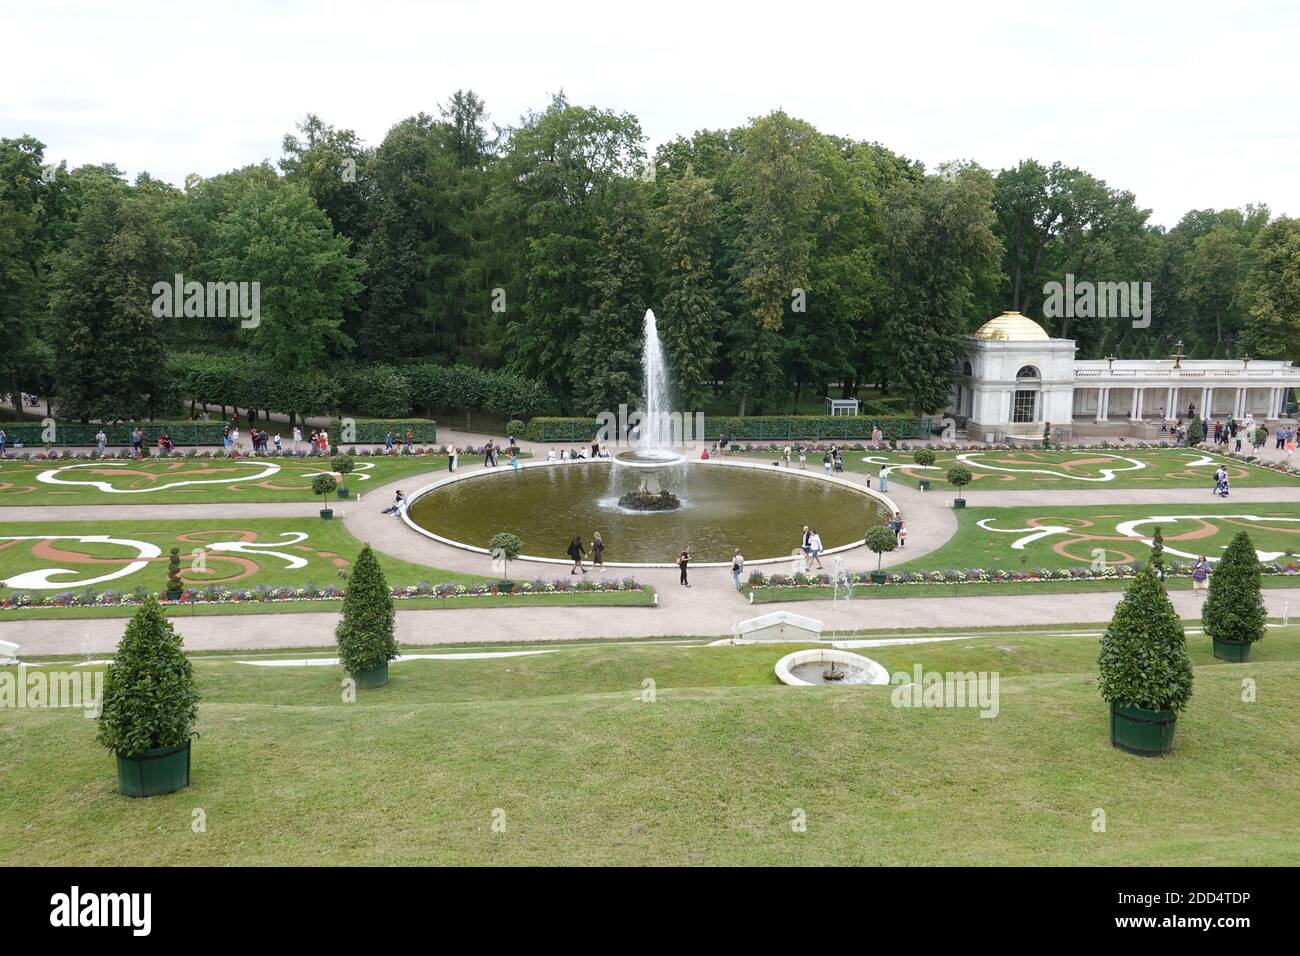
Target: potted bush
[
  {"x": 174, "y": 584},
  {"x": 880, "y": 539},
  {"x": 925, "y": 458},
  {"x": 365, "y": 635},
  {"x": 1146, "y": 675},
  {"x": 515, "y": 427},
  {"x": 506, "y": 547},
  {"x": 1233, "y": 614},
  {"x": 322, "y": 485},
  {"x": 343, "y": 464},
  {"x": 959, "y": 477},
  {"x": 149, "y": 706}
]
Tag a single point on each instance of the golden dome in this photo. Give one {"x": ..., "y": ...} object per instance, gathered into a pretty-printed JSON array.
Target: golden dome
[{"x": 1011, "y": 327}]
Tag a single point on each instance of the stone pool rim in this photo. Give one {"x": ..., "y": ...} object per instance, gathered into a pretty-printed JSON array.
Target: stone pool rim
[{"x": 489, "y": 473}]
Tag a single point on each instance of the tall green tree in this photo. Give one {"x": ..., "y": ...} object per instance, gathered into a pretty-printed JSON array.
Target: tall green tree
[
  {"x": 690, "y": 314},
  {"x": 110, "y": 347},
  {"x": 1272, "y": 328},
  {"x": 938, "y": 241},
  {"x": 279, "y": 238}
]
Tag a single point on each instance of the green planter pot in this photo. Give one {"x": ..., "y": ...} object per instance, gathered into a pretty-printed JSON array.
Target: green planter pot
[
  {"x": 1148, "y": 733},
  {"x": 377, "y": 677},
  {"x": 1235, "y": 651},
  {"x": 959, "y": 503},
  {"x": 878, "y": 577},
  {"x": 154, "y": 772},
  {"x": 924, "y": 483},
  {"x": 327, "y": 513},
  {"x": 343, "y": 492}
]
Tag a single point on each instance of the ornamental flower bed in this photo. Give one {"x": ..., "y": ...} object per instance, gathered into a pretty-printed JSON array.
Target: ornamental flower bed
[
  {"x": 215, "y": 594},
  {"x": 759, "y": 581}
]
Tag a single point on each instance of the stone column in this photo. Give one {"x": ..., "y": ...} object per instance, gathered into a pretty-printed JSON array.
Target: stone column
[
  {"x": 1207, "y": 402},
  {"x": 1103, "y": 401},
  {"x": 1239, "y": 406},
  {"x": 1136, "y": 412},
  {"x": 1169, "y": 403}
]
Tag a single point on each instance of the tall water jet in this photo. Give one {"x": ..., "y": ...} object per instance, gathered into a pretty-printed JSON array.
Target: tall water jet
[{"x": 656, "y": 417}]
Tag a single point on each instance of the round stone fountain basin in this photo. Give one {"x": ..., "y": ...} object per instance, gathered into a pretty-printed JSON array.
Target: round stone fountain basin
[
  {"x": 805, "y": 668},
  {"x": 723, "y": 505}
]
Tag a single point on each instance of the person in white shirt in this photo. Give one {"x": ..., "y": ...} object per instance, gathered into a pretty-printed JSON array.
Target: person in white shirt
[
  {"x": 815, "y": 547},
  {"x": 550, "y": 455}
]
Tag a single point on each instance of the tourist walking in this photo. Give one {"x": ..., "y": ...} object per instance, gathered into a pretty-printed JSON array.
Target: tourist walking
[
  {"x": 410, "y": 441},
  {"x": 597, "y": 550},
  {"x": 576, "y": 553},
  {"x": 388, "y": 440},
  {"x": 101, "y": 440},
  {"x": 902, "y": 533},
  {"x": 683, "y": 560},
  {"x": 884, "y": 478},
  {"x": 1201, "y": 574},
  {"x": 137, "y": 438},
  {"x": 805, "y": 544},
  {"x": 737, "y": 568},
  {"x": 826, "y": 462},
  {"x": 451, "y": 457},
  {"x": 815, "y": 547}
]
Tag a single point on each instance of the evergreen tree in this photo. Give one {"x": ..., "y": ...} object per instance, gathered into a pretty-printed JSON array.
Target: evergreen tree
[
  {"x": 1143, "y": 661},
  {"x": 1234, "y": 607},
  {"x": 365, "y": 635},
  {"x": 149, "y": 696}
]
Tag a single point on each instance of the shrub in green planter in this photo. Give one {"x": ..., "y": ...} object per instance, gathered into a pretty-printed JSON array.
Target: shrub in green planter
[
  {"x": 959, "y": 477},
  {"x": 880, "y": 539},
  {"x": 1145, "y": 673},
  {"x": 923, "y": 457},
  {"x": 1233, "y": 614},
  {"x": 322, "y": 485},
  {"x": 343, "y": 464},
  {"x": 506, "y": 547},
  {"x": 365, "y": 635},
  {"x": 515, "y": 427},
  {"x": 150, "y": 705}
]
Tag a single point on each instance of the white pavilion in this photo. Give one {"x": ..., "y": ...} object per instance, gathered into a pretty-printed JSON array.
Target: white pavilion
[{"x": 1015, "y": 379}]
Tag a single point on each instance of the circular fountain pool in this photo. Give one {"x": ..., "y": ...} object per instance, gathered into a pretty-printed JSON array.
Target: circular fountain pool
[{"x": 759, "y": 509}]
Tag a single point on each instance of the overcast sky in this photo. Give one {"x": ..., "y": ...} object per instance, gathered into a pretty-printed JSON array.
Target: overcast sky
[{"x": 1186, "y": 104}]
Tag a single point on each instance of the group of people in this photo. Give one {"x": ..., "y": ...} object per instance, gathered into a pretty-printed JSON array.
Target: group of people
[
  {"x": 832, "y": 460},
  {"x": 577, "y": 552}
]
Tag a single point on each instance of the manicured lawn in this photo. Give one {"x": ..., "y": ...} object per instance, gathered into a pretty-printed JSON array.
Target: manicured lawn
[
  {"x": 196, "y": 480},
  {"x": 1072, "y": 470},
  {"x": 276, "y": 552},
  {"x": 1046, "y": 537},
  {"x": 581, "y": 769}
]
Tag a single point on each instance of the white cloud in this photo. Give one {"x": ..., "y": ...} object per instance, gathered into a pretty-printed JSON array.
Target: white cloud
[{"x": 1189, "y": 105}]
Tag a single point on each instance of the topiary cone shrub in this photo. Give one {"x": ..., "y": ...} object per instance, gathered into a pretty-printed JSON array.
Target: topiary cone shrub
[
  {"x": 959, "y": 477},
  {"x": 1233, "y": 614},
  {"x": 1145, "y": 674},
  {"x": 150, "y": 705},
  {"x": 365, "y": 635}
]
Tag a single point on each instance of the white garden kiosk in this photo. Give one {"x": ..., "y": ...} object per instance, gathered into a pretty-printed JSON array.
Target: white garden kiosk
[{"x": 841, "y": 406}]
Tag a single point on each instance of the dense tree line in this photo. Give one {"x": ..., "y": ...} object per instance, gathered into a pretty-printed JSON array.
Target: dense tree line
[{"x": 780, "y": 260}]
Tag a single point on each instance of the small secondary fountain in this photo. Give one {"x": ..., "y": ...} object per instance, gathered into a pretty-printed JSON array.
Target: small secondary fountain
[{"x": 810, "y": 667}]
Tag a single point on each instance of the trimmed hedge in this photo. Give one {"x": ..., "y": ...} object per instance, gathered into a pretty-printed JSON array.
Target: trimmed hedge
[
  {"x": 754, "y": 428},
  {"x": 69, "y": 434},
  {"x": 373, "y": 430}
]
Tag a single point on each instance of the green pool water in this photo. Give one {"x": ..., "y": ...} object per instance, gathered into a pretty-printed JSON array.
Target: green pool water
[{"x": 761, "y": 511}]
